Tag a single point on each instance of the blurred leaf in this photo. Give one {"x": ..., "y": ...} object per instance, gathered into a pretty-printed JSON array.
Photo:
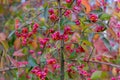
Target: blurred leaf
[
  {"x": 96, "y": 75},
  {"x": 1, "y": 9},
  {"x": 42, "y": 61},
  {"x": 46, "y": 78},
  {"x": 18, "y": 53},
  {"x": 17, "y": 44},
  {"x": 72, "y": 55},
  {"x": 2, "y": 37},
  {"x": 113, "y": 34},
  {"x": 32, "y": 61},
  {"x": 34, "y": 43},
  {"x": 5, "y": 44},
  {"x": 114, "y": 71},
  {"x": 107, "y": 43},
  {"x": 117, "y": 14},
  {"x": 11, "y": 40},
  {"x": 46, "y": 12},
  {"x": 11, "y": 34},
  {"x": 98, "y": 11},
  {"x": 104, "y": 74},
  {"x": 100, "y": 46},
  {"x": 87, "y": 5},
  {"x": 105, "y": 16},
  {"x": 87, "y": 42}
]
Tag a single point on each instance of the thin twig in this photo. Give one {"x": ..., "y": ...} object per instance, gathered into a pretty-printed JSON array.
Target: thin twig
[
  {"x": 90, "y": 54},
  {"x": 109, "y": 64},
  {"x": 11, "y": 68}
]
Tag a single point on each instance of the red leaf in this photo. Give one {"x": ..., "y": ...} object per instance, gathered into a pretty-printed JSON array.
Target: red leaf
[
  {"x": 100, "y": 46},
  {"x": 2, "y": 37},
  {"x": 18, "y": 53}
]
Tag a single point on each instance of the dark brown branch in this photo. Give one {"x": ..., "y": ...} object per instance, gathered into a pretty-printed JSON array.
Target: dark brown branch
[{"x": 62, "y": 44}]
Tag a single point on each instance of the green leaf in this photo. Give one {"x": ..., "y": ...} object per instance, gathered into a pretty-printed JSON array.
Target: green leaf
[
  {"x": 32, "y": 61},
  {"x": 5, "y": 45},
  {"x": 105, "y": 17},
  {"x": 107, "y": 43},
  {"x": 29, "y": 69},
  {"x": 11, "y": 38},
  {"x": 46, "y": 12},
  {"x": 96, "y": 75},
  {"x": 11, "y": 34},
  {"x": 73, "y": 55},
  {"x": 87, "y": 42},
  {"x": 42, "y": 61},
  {"x": 104, "y": 75},
  {"x": 46, "y": 78}
]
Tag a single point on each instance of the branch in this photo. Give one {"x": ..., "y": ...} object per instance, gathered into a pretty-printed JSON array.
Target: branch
[
  {"x": 109, "y": 64},
  {"x": 90, "y": 54},
  {"x": 11, "y": 68},
  {"x": 62, "y": 73}
]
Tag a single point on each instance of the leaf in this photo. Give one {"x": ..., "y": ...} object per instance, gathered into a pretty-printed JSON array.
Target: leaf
[
  {"x": 43, "y": 61},
  {"x": 11, "y": 34},
  {"x": 46, "y": 78},
  {"x": 72, "y": 55},
  {"x": 18, "y": 53},
  {"x": 113, "y": 34},
  {"x": 32, "y": 61},
  {"x": 2, "y": 37},
  {"x": 114, "y": 71},
  {"x": 105, "y": 16},
  {"x": 87, "y": 42},
  {"x": 11, "y": 39},
  {"x": 34, "y": 43},
  {"x": 75, "y": 37},
  {"x": 17, "y": 44},
  {"x": 107, "y": 43},
  {"x": 14, "y": 62},
  {"x": 5, "y": 45},
  {"x": 104, "y": 75},
  {"x": 117, "y": 14},
  {"x": 46, "y": 12},
  {"x": 100, "y": 46},
  {"x": 87, "y": 5},
  {"x": 105, "y": 67},
  {"x": 96, "y": 75}
]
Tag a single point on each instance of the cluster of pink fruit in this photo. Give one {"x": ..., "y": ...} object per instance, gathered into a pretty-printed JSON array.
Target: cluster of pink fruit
[{"x": 25, "y": 34}]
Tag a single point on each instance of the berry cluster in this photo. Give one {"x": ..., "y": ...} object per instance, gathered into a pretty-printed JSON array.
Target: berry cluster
[
  {"x": 43, "y": 41},
  {"x": 25, "y": 34},
  {"x": 70, "y": 68},
  {"x": 83, "y": 72},
  {"x": 67, "y": 13},
  {"x": 57, "y": 36},
  {"x": 53, "y": 17},
  {"x": 41, "y": 73},
  {"x": 99, "y": 28}
]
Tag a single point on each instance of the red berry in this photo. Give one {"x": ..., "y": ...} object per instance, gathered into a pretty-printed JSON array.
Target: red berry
[
  {"x": 93, "y": 17},
  {"x": 53, "y": 17},
  {"x": 31, "y": 51},
  {"x": 77, "y": 22},
  {"x": 30, "y": 34},
  {"x": 68, "y": 1},
  {"x": 78, "y": 2},
  {"x": 25, "y": 30},
  {"x": 67, "y": 13},
  {"x": 51, "y": 11}
]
